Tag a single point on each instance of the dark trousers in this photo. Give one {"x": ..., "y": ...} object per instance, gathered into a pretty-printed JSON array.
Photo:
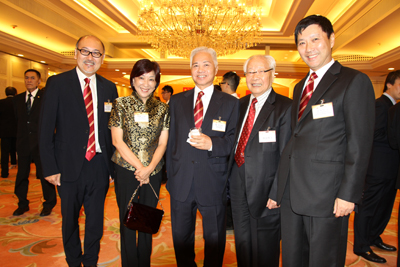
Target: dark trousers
[
  {"x": 89, "y": 190},
  {"x": 8, "y": 149},
  {"x": 134, "y": 252},
  {"x": 183, "y": 221},
  {"x": 257, "y": 240},
  {"x": 312, "y": 241},
  {"x": 374, "y": 212},
  {"x": 22, "y": 182}
]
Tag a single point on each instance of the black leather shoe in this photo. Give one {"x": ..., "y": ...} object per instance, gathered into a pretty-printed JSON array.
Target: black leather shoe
[
  {"x": 20, "y": 211},
  {"x": 385, "y": 246},
  {"x": 371, "y": 256},
  {"x": 45, "y": 212}
]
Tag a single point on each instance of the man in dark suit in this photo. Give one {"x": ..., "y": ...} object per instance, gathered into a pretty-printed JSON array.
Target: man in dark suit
[
  {"x": 76, "y": 148},
  {"x": 253, "y": 163},
  {"x": 379, "y": 190},
  {"x": 322, "y": 169},
  {"x": 8, "y": 131},
  {"x": 197, "y": 166},
  {"x": 27, "y": 110},
  {"x": 393, "y": 81}
]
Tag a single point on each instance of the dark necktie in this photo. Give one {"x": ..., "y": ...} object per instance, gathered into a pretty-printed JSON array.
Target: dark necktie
[
  {"x": 29, "y": 103},
  {"x": 246, "y": 131},
  {"x": 307, "y": 93},
  {"x": 87, "y": 96},
  {"x": 198, "y": 110}
]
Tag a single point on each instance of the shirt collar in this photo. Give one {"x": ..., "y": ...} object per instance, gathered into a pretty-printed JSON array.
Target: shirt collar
[
  {"x": 321, "y": 72},
  {"x": 207, "y": 91},
  {"x": 34, "y": 92},
  {"x": 390, "y": 97},
  {"x": 263, "y": 97},
  {"x": 82, "y": 76}
]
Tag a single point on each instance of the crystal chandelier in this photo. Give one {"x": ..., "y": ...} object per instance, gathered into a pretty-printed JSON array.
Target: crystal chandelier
[{"x": 179, "y": 26}]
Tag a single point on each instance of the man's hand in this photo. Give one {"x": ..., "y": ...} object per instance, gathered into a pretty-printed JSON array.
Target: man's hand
[
  {"x": 342, "y": 208},
  {"x": 202, "y": 142},
  {"x": 272, "y": 204},
  {"x": 54, "y": 179}
]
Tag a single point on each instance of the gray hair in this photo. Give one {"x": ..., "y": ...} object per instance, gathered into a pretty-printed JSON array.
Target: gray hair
[
  {"x": 271, "y": 61},
  {"x": 211, "y": 51}
]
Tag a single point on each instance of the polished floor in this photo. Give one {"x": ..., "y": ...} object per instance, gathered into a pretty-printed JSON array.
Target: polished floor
[{"x": 33, "y": 241}]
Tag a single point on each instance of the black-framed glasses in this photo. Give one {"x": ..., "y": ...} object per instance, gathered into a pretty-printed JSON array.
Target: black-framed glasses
[
  {"x": 222, "y": 83},
  {"x": 250, "y": 73},
  {"x": 86, "y": 52}
]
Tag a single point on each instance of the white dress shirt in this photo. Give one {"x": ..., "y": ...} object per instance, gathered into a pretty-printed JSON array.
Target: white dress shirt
[{"x": 34, "y": 92}]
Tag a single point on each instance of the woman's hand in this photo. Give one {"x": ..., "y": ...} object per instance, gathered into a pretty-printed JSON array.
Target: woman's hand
[{"x": 143, "y": 175}]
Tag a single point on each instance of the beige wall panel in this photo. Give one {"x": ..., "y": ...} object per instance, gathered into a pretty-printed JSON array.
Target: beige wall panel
[
  {"x": 41, "y": 68},
  {"x": 3, "y": 85},
  {"x": 19, "y": 66},
  {"x": 3, "y": 64},
  {"x": 20, "y": 86}
]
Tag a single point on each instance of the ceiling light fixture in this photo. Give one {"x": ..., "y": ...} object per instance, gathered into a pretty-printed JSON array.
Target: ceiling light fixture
[{"x": 179, "y": 26}]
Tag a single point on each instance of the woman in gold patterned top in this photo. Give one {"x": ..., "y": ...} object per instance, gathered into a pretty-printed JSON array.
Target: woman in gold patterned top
[{"x": 139, "y": 128}]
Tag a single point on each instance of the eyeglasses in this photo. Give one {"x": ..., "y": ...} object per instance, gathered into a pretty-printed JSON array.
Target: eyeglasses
[
  {"x": 250, "y": 73},
  {"x": 86, "y": 52},
  {"x": 222, "y": 83}
]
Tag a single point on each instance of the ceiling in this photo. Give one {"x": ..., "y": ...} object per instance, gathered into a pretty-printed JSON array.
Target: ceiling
[{"x": 367, "y": 35}]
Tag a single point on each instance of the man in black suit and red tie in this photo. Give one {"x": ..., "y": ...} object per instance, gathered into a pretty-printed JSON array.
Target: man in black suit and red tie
[
  {"x": 76, "y": 148},
  {"x": 261, "y": 135},
  {"x": 323, "y": 166},
  {"x": 27, "y": 111},
  {"x": 379, "y": 190},
  {"x": 197, "y": 166}
]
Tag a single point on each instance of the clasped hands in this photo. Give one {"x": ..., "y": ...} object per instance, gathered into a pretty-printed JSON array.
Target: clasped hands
[{"x": 142, "y": 174}]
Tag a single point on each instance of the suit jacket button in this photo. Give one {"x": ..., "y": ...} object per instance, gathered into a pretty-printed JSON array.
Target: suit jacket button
[
  {"x": 84, "y": 147},
  {"x": 86, "y": 131},
  {"x": 290, "y": 156},
  {"x": 295, "y": 135}
]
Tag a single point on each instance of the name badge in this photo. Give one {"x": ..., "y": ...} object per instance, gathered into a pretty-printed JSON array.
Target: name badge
[
  {"x": 323, "y": 110},
  {"x": 107, "y": 106},
  {"x": 268, "y": 136},
  {"x": 141, "y": 117},
  {"x": 219, "y": 125}
]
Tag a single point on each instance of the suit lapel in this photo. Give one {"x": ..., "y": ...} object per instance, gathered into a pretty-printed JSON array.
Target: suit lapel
[
  {"x": 213, "y": 107},
  {"x": 76, "y": 91},
  {"x": 100, "y": 98},
  {"x": 187, "y": 107},
  {"x": 36, "y": 101},
  {"x": 323, "y": 86},
  {"x": 265, "y": 111},
  {"x": 243, "y": 108}
]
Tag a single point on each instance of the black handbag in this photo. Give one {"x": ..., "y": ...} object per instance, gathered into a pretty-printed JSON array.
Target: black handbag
[{"x": 143, "y": 218}]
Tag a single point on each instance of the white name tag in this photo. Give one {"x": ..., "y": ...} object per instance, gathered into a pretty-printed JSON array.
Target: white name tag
[
  {"x": 141, "y": 117},
  {"x": 107, "y": 106},
  {"x": 267, "y": 136},
  {"x": 322, "y": 111},
  {"x": 219, "y": 125}
]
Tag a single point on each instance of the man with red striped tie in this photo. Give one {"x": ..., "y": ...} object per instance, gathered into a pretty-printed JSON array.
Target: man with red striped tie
[
  {"x": 197, "y": 166},
  {"x": 76, "y": 149}
]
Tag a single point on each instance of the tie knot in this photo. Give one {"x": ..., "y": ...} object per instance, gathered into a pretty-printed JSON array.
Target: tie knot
[
  {"x": 313, "y": 76},
  {"x": 29, "y": 95},
  {"x": 201, "y": 93},
  {"x": 254, "y": 101},
  {"x": 87, "y": 81}
]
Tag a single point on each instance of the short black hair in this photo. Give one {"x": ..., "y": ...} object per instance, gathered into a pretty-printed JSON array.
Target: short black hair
[
  {"x": 391, "y": 78},
  {"x": 232, "y": 79},
  {"x": 323, "y": 22},
  {"x": 33, "y": 70},
  {"x": 144, "y": 66},
  {"x": 217, "y": 87},
  {"x": 11, "y": 91},
  {"x": 169, "y": 89}
]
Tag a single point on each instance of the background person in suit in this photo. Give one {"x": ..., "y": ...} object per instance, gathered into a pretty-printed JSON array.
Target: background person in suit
[
  {"x": 379, "y": 190},
  {"x": 253, "y": 181},
  {"x": 230, "y": 82},
  {"x": 167, "y": 92},
  {"x": 323, "y": 167},
  {"x": 27, "y": 111},
  {"x": 76, "y": 148},
  {"x": 197, "y": 171},
  {"x": 8, "y": 131}
]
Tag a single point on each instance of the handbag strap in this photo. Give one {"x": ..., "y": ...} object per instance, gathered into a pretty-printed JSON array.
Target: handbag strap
[{"x": 134, "y": 194}]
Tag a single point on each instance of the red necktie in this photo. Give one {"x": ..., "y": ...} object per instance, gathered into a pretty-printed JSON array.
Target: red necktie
[
  {"x": 198, "y": 110},
  {"x": 307, "y": 93},
  {"x": 244, "y": 137},
  {"x": 87, "y": 96}
]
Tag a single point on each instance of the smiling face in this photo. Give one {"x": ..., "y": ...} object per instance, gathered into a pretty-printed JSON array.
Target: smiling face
[
  {"x": 89, "y": 65},
  {"x": 314, "y": 46},
  {"x": 258, "y": 83},
  {"x": 145, "y": 85},
  {"x": 203, "y": 70}
]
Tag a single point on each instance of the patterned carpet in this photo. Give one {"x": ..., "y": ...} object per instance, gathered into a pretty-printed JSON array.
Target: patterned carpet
[{"x": 33, "y": 241}]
